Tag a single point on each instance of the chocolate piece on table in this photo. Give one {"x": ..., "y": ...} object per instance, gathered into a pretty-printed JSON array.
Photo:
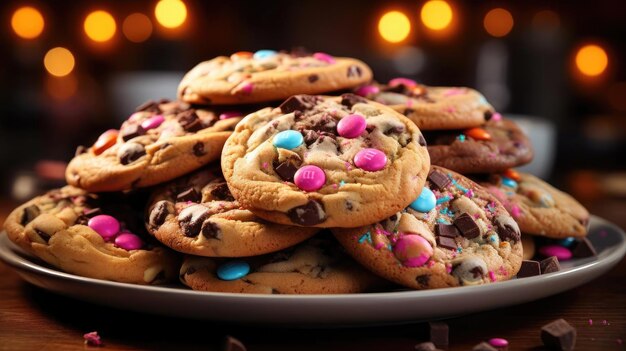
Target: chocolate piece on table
[
  {"x": 559, "y": 335},
  {"x": 584, "y": 248},
  {"x": 439, "y": 179},
  {"x": 550, "y": 265},
  {"x": 467, "y": 226},
  {"x": 448, "y": 243},
  {"x": 448, "y": 230},
  {"x": 529, "y": 268},
  {"x": 484, "y": 346},
  {"x": 439, "y": 333},
  {"x": 232, "y": 344}
]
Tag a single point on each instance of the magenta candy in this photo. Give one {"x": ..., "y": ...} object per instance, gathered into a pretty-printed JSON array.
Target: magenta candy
[
  {"x": 230, "y": 114},
  {"x": 367, "y": 90},
  {"x": 409, "y": 83},
  {"x": 152, "y": 122},
  {"x": 324, "y": 57},
  {"x": 104, "y": 225},
  {"x": 370, "y": 160},
  {"x": 247, "y": 88},
  {"x": 309, "y": 178},
  {"x": 413, "y": 250},
  {"x": 128, "y": 241},
  {"x": 562, "y": 253},
  {"x": 498, "y": 342},
  {"x": 351, "y": 126}
]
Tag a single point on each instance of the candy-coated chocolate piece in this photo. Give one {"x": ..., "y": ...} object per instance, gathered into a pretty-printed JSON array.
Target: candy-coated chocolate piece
[
  {"x": 567, "y": 242},
  {"x": 509, "y": 182},
  {"x": 230, "y": 114},
  {"x": 324, "y": 57},
  {"x": 246, "y": 87},
  {"x": 152, "y": 122},
  {"x": 496, "y": 117},
  {"x": 105, "y": 225},
  {"x": 309, "y": 178},
  {"x": 288, "y": 139},
  {"x": 233, "y": 270},
  {"x": 263, "y": 54},
  {"x": 478, "y": 134},
  {"x": 413, "y": 250},
  {"x": 513, "y": 174},
  {"x": 367, "y": 90},
  {"x": 498, "y": 342},
  {"x": 425, "y": 202},
  {"x": 351, "y": 126},
  {"x": 128, "y": 241},
  {"x": 241, "y": 55},
  {"x": 562, "y": 253},
  {"x": 105, "y": 141},
  {"x": 409, "y": 83},
  {"x": 370, "y": 160}
]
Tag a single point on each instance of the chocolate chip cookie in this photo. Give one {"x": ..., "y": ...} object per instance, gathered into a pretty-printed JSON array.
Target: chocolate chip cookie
[
  {"x": 97, "y": 236},
  {"x": 325, "y": 162},
  {"x": 317, "y": 266},
  {"x": 455, "y": 233},
  {"x": 495, "y": 146},
  {"x": 431, "y": 108},
  {"x": 159, "y": 142},
  {"x": 196, "y": 214},
  {"x": 538, "y": 207},
  {"x": 267, "y": 75}
]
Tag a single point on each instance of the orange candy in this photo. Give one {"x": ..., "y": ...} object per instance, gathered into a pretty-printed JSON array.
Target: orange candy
[
  {"x": 241, "y": 55},
  {"x": 478, "y": 134},
  {"x": 512, "y": 174},
  {"x": 105, "y": 141}
]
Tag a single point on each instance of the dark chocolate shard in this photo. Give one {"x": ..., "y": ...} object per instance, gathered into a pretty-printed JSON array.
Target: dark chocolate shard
[
  {"x": 507, "y": 229},
  {"x": 149, "y": 106},
  {"x": 559, "y": 335},
  {"x": 439, "y": 332},
  {"x": 447, "y": 230},
  {"x": 584, "y": 248},
  {"x": 286, "y": 170},
  {"x": 191, "y": 219},
  {"x": 529, "y": 268},
  {"x": 190, "y": 194},
  {"x": 440, "y": 180},
  {"x": 310, "y": 214},
  {"x": 550, "y": 265},
  {"x": 354, "y": 71},
  {"x": 298, "y": 103},
  {"x": 43, "y": 235},
  {"x": 448, "y": 243},
  {"x": 132, "y": 131},
  {"x": 198, "y": 149},
  {"x": 466, "y": 225},
  {"x": 190, "y": 121},
  {"x": 222, "y": 192},
  {"x": 211, "y": 230},
  {"x": 350, "y": 100},
  {"x": 159, "y": 213},
  {"x": 30, "y": 213},
  {"x": 131, "y": 152}
]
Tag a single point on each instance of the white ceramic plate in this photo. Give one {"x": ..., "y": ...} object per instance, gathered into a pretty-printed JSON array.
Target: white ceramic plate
[{"x": 325, "y": 310}]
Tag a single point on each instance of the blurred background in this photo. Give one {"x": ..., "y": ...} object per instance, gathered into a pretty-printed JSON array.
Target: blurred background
[{"x": 70, "y": 70}]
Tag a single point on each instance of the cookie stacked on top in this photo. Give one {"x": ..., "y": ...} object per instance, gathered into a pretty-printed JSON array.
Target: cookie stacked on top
[{"x": 329, "y": 184}]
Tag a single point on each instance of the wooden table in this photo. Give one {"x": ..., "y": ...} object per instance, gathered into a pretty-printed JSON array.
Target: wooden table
[{"x": 34, "y": 319}]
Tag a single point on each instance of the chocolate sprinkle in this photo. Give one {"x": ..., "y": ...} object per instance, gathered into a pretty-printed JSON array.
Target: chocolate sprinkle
[
  {"x": 30, "y": 213},
  {"x": 310, "y": 214},
  {"x": 584, "y": 248},
  {"x": 286, "y": 170},
  {"x": 550, "y": 265},
  {"x": 559, "y": 335},
  {"x": 132, "y": 131},
  {"x": 529, "y": 269},
  {"x": 446, "y": 242},
  {"x": 439, "y": 333},
  {"x": 467, "y": 226},
  {"x": 198, "y": 149},
  {"x": 298, "y": 103},
  {"x": 447, "y": 230},
  {"x": 313, "y": 78},
  {"x": 189, "y": 121},
  {"x": 211, "y": 230},
  {"x": 439, "y": 179},
  {"x": 350, "y": 100},
  {"x": 190, "y": 194},
  {"x": 354, "y": 71}
]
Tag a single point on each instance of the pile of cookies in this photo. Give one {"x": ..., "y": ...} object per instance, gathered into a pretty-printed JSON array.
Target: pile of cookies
[{"x": 296, "y": 173}]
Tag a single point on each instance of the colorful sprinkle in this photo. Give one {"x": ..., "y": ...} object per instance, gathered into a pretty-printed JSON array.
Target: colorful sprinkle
[
  {"x": 567, "y": 242},
  {"x": 443, "y": 200},
  {"x": 513, "y": 174},
  {"x": 233, "y": 270},
  {"x": 492, "y": 276},
  {"x": 515, "y": 211},
  {"x": 461, "y": 138},
  {"x": 456, "y": 184},
  {"x": 367, "y": 236},
  {"x": 309, "y": 178},
  {"x": 453, "y": 92},
  {"x": 265, "y": 165},
  {"x": 288, "y": 139},
  {"x": 469, "y": 193},
  {"x": 442, "y": 221},
  {"x": 342, "y": 183},
  {"x": 247, "y": 88},
  {"x": 590, "y": 321}
]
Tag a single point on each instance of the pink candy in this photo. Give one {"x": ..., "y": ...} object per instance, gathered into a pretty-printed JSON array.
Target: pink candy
[
  {"x": 309, "y": 178},
  {"x": 351, "y": 126},
  {"x": 247, "y": 88},
  {"x": 367, "y": 90},
  {"x": 324, "y": 57},
  {"x": 128, "y": 241},
  {"x": 370, "y": 160},
  {"x": 152, "y": 122},
  {"x": 560, "y": 252},
  {"x": 409, "y": 83},
  {"x": 230, "y": 114},
  {"x": 413, "y": 250},
  {"x": 104, "y": 225},
  {"x": 496, "y": 117},
  {"x": 498, "y": 342}
]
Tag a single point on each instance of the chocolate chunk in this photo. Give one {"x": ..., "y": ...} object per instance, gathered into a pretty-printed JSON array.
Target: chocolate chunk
[
  {"x": 190, "y": 121},
  {"x": 313, "y": 78},
  {"x": 422, "y": 141},
  {"x": 439, "y": 333},
  {"x": 45, "y": 236},
  {"x": 354, "y": 71},
  {"x": 484, "y": 346},
  {"x": 349, "y": 205},
  {"x": 529, "y": 269},
  {"x": 191, "y": 219},
  {"x": 211, "y": 230},
  {"x": 350, "y": 100},
  {"x": 310, "y": 214},
  {"x": 310, "y": 137},
  {"x": 423, "y": 280},
  {"x": 448, "y": 230},
  {"x": 191, "y": 194},
  {"x": 425, "y": 346},
  {"x": 286, "y": 170},
  {"x": 298, "y": 103},
  {"x": 446, "y": 242},
  {"x": 559, "y": 335},
  {"x": 158, "y": 214},
  {"x": 232, "y": 344},
  {"x": 132, "y": 131},
  {"x": 467, "y": 226},
  {"x": 30, "y": 213},
  {"x": 130, "y": 152},
  {"x": 550, "y": 265},
  {"x": 198, "y": 149},
  {"x": 488, "y": 115},
  {"x": 222, "y": 192},
  {"x": 149, "y": 106},
  {"x": 439, "y": 179},
  {"x": 584, "y": 248},
  {"x": 394, "y": 130},
  {"x": 506, "y": 231},
  {"x": 81, "y": 149}
]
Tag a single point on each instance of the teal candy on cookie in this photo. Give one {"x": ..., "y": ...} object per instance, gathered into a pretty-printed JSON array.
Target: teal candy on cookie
[
  {"x": 288, "y": 139},
  {"x": 233, "y": 270},
  {"x": 425, "y": 202}
]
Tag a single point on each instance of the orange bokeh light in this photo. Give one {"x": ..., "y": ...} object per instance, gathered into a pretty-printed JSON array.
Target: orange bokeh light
[
  {"x": 394, "y": 26},
  {"x": 100, "y": 26},
  {"x": 137, "y": 27},
  {"x": 591, "y": 60},
  {"x": 498, "y": 22},
  {"x": 27, "y": 22},
  {"x": 59, "y": 61},
  {"x": 436, "y": 15},
  {"x": 170, "y": 13}
]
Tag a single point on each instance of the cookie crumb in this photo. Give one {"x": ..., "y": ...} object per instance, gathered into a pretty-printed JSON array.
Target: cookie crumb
[{"x": 92, "y": 339}]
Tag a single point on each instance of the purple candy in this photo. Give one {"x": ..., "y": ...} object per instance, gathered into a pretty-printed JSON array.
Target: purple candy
[
  {"x": 309, "y": 178},
  {"x": 498, "y": 342},
  {"x": 370, "y": 160},
  {"x": 562, "y": 253},
  {"x": 152, "y": 122},
  {"x": 367, "y": 90},
  {"x": 410, "y": 83},
  {"x": 324, "y": 57},
  {"x": 128, "y": 241},
  {"x": 351, "y": 126},
  {"x": 104, "y": 225},
  {"x": 230, "y": 114}
]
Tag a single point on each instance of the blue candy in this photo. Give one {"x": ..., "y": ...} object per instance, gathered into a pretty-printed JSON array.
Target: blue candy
[
  {"x": 288, "y": 139},
  {"x": 425, "y": 202},
  {"x": 263, "y": 54},
  {"x": 509, "y": 182},
  {"x": 233, "y": 270},
  {"x": 567, "y": 242}
]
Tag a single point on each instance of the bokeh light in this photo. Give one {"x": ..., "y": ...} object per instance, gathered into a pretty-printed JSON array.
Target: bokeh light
[
  {"x": 591, "y": 60},
  {"x": 100, "y": 26},
  {"x": 498, "y": 22},
  {"x": 59, "y": 61},
  {"x": 436, "y": 14},
  {"x": 27, "y": 22},
  {"x": 137, "y": 27},
  {"x": 170, "y": 13},
  {"x": 394, "y": 26},
  {"x": 61, "y": 88},
  {"x": 546, "y": 19}
]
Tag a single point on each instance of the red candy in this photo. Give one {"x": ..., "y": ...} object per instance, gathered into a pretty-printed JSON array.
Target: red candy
[
  {"x": 105, "y": 141},
  {"x": 512, "y": 174}
]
